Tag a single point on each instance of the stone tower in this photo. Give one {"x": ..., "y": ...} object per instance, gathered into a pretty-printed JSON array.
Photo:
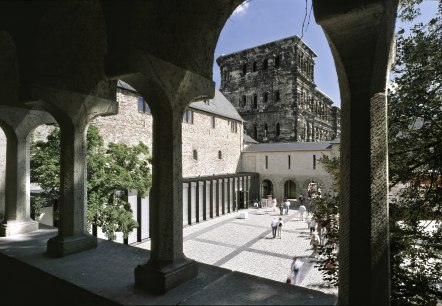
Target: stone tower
[{"x": 272, "y": 87}]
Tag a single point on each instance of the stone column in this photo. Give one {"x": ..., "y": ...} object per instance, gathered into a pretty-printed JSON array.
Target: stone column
[
  {"x": 169, "y": 89},
  {"x": 73, "y": 112},
  {"x": 18, "y": 123},
  {"x": 360, "y": 34}
]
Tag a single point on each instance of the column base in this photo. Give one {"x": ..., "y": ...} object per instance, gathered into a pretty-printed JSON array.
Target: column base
[
  {"x": 59, "y": 246},
  {"x": 10, "y": 228},
  {"x": 160, "y": 280}
]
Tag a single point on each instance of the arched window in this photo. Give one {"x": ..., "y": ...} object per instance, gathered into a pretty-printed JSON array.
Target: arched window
[
  {"x": 290, "y": 189},
  {"x": 244, "y": 101},
  {"x": 267, "y": 188},
  {"x": 265, "y": 64},
  {"x": 254, "y": 67},
  {"x": 277, "y": 96},
  {"x": 266, "y": 97},
  {"x": 277, "y": 61},
  {"x": 255, "y": 101},
  {"x": 244, "y": 69}
]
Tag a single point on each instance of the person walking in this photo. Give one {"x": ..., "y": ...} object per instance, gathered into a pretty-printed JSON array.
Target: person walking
[
  {"x": 302, "y": 210},
  {"x": 286, "y": 206},
  {"x": 296, "y": 269},
  {"x": 314, "y": 242},
  {"x": 312, "y": 226},
  {"x": 281, "y": 208},
  {"x": 308, "y": 220},
  {"x": 280, "y": 224},
  {"x": 274, "y": 226}
]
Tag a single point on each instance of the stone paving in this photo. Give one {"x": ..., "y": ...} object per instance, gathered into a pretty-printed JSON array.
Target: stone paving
[{"x": 247, "y": 245}]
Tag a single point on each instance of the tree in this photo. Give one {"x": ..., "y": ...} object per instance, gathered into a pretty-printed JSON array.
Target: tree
[
  {"x": 415, "y": 161},
  {"x": 112, "y": 171},
  {"x": 326, "y": 215}
]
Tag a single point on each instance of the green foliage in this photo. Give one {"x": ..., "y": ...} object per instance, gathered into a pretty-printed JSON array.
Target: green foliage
[
  {"x": 111, "y": 173},
  {"x": 327, "y": 217},
  {"x": 415, "y": 145}
]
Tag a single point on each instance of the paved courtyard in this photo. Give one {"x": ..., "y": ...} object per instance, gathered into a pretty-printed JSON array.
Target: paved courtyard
[{"x": 247, "y": 245}]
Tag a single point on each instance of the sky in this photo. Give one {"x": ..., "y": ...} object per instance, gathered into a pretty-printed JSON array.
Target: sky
[{"x": 260, "y": 21}]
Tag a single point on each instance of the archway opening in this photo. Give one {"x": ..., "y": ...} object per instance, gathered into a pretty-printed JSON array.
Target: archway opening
[
  {"x": 290, "y": 189},
  {"x": 266, "y": 188}
]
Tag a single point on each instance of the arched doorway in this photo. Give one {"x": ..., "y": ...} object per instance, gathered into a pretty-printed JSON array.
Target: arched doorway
[
  {"x": 267, "y": 188},
  {"x": 290, "y": 189}
]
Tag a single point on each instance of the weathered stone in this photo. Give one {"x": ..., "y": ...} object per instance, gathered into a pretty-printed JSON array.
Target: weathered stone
[{"x": 272, "y": 87}]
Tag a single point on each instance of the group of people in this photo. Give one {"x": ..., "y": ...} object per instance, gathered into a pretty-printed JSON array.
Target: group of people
[{"x": 312, "y": 226}]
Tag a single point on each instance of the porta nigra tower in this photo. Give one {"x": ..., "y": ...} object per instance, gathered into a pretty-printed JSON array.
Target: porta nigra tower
[{"x": 272, "y": 87}]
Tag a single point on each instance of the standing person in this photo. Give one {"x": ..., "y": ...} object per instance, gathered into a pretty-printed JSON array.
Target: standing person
[
  {"x": 312, "y": 226},
  {"x": 286, "y": 206},
  {"x": 280, "y": 224},
  {"x": 274, "y": 203},
  {"x": 308, "y": 220},
  {"x": 301, "y": 199},
  {"x": 281, "y": 208},
  {"x": 296, "y": 269},
  {"x": 302, "y": 210},
  {"x": 314, "y": 242},
  {"x": 274, "y": 226}
]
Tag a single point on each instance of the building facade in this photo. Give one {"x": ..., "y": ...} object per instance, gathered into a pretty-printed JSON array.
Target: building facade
[
  {"x": 272, "y": 86},
  {"x": 290, "y": 169}
]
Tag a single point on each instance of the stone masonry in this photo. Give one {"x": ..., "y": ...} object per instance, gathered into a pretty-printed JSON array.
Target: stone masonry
[{"x": 272, "y": 87}]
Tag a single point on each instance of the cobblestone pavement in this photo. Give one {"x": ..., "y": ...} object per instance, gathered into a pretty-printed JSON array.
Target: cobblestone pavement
[{"x": 247, "y": 245}]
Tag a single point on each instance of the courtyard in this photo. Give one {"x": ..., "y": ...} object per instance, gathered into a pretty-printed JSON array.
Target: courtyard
[{"x": 247, "y": 245}]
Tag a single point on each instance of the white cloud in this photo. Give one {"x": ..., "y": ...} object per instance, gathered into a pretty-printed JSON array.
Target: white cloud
[{"x": 241, "y": 10}]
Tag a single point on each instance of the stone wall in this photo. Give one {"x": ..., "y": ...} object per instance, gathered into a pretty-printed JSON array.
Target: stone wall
[
  {"x": 301, "y": 170},
  {"x": 218, "y": 149},
  {"x": 272, "y": 87}
]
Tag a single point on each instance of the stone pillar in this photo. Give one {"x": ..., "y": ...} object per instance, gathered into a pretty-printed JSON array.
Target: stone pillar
[
  {"x": 73, "y": 112},
  {"x": 18, "y": 123},
  {"x": 169, "y": 89},
  {"x": 363, "y": 67}
]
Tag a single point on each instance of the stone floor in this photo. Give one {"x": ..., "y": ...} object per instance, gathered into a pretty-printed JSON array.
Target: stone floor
[{"x": 247, "y": 245}]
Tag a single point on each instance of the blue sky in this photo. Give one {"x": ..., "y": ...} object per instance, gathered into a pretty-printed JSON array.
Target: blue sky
[{"x": 261, "y": 21}]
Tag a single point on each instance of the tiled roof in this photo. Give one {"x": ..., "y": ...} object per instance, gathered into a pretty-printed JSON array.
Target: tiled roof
[
  {"x": 288, "y": 146},
  {"x": 248, "y": 139},
  {"x": 219, "y": 105}
]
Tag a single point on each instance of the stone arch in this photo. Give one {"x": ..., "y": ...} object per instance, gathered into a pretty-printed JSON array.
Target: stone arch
[
  {"x": 290, "y": 189},
  {"x": 266, "y": 188}
]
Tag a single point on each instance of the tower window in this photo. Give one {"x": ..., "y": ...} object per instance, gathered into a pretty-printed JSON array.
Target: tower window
[
  {"x": 244, "y": 69},
  {"x": 195, "y": 154},
  {"x": 265, "y": 64},
  {"x": 266, "y": 97},
  {"x": 255, "y": 101},
  {"x": 277, "y": 96},
  {"x": 277, "y": 61},
  {"x": 254, "y": 67}
]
